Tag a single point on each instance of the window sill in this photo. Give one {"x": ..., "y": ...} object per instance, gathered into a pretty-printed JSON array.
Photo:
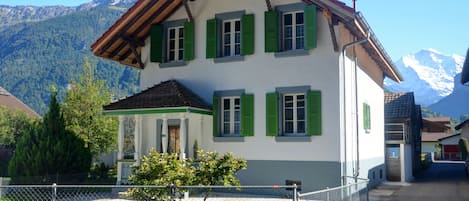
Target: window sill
[
  {"x": 292, "y": 53},
  {"x": 228, "y": 59},
  {"x": 173, "y": 64},
  {"x": 228, "y": 139},
  {"x": 293, "y": 139}
]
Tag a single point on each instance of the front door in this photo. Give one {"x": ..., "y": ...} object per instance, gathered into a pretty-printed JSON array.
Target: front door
[{"x": 173, "y": 139}]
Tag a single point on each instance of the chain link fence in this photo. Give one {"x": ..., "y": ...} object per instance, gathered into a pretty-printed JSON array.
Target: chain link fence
[
  {"x": 351, "y": 192},
  {"x": 131, "y": 193}
]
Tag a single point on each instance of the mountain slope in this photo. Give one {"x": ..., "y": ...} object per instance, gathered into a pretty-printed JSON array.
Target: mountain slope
[
  {"x": 428, "y": 73},
  {"x": 11, "y": 15},
  {"x": 455, "y": 104},
  {"x": 34, "y": 56}
]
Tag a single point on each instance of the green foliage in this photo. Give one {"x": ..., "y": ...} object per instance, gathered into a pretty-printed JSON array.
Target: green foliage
[
  {"x": 34, "y": 56},
  {"x": 463, "y": 149},
  {"x": 426, "y": 112},
  {"x": 82, "y": 112},
  {"x": 12, "y": 124},
  {"x": 48, "y": 149},
  {"x": 158, "y": 169},
  {"x": 464, "y": 117},
  {"x": 99, "y": 171}
]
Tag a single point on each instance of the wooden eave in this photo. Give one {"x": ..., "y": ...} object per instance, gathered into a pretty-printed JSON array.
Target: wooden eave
[{"x": 123, "y": 41}]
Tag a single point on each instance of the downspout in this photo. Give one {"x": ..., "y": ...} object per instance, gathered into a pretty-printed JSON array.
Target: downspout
[{"x": 344, "y": 49}]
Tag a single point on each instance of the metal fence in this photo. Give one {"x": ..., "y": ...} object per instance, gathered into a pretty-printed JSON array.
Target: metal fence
[
  {"x": 351, "y": 192},
  {"x": 133, "y": 192}
]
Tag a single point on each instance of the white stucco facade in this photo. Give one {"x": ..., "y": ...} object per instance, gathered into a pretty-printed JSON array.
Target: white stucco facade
[{"x": 344, "y": 143}]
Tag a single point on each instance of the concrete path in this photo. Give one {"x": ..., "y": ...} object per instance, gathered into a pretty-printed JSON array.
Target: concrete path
[{"x": 441, "y": 182}]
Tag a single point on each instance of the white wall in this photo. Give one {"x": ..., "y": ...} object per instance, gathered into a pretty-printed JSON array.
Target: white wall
[
  {"x": 451, "y": 141},
  {"x": 428, "y": 147},
  {"x": 258, "y": 74},
  {"x": 406, "y": 163}
]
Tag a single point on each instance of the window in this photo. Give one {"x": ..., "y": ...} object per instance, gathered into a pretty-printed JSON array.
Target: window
[
  {"x": 293, "y": 111},
  {"x": 230, "y": 36},
  {"x": 172, "y": 43},
  {"x": 366, "y": 117},
  {"x": 231, "y": 110},
  {"x": 233, "y": 114},
  {"x": 293, "y": 31},
  {"x": 175, "y": 44},
  {"x": 291, "y": 28}
]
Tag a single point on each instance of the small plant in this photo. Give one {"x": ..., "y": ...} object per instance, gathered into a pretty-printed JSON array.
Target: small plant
[
  {"x": 99, "y": 171},
  {"x": 195, "y": 149}
]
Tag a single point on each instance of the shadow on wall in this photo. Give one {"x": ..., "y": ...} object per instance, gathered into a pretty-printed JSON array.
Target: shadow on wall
[{"x": 376, "y": 175}]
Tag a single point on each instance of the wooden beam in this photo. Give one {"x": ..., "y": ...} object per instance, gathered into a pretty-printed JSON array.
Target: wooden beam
[
  {"x": 269, "y": 5},
  {"x": 125, "y": 55},
  {"x": 328, "y": 15},
  {"x": 127, "y": 26},
  {"x": 188, "y": 11},
  {"x": 133, "y": 47}
]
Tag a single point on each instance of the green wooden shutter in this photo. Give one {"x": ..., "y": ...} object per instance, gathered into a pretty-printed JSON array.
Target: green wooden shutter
[
  {"x": 271, "y": 31},
  {"x": 271, "y": 111},
  {"x": 215, "y": 116},
  {"x": 188, "y": 41},
  {"x": 366, "y": 116},
  {"x": 313, "y": 116},
  {"x": 311, "y": 31},
  {"x": 247, "y": 28},
  {"x": 211, "y": 51},
  {"x": 156, "y": 43},
  {"x": 247, "y": 115}
]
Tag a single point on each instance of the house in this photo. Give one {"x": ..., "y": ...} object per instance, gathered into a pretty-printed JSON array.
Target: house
[
  {"x": 11, "y": 102},
  {"x": 434, "y": 129},
  {"x": 295, "y": 87},
  {"x": 403, "y": 122},
  {"x": 450, "y": 147}
]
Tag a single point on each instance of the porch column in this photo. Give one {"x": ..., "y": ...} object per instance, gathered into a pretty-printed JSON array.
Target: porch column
[
  {"x": 120, "y": 139},
  {"x": 182, "y": 138},
  {"x": 137, "y": 139},
  {"x": 164, "y": 135}
]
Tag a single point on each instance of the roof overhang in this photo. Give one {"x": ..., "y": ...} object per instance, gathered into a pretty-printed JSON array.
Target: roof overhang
[
  {"x": 123, "y": 41},
  {"x": 167, "y": 110}
]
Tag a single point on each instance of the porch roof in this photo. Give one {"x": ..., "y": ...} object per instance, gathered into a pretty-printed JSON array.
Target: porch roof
[{"x": 168, "y": 96}]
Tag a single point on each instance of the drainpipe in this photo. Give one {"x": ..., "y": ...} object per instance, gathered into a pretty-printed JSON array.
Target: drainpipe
[{"x": 344, "y": 49}]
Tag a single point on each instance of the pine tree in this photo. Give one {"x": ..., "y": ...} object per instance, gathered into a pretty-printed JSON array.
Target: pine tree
[{"x": 50, "y": 151}]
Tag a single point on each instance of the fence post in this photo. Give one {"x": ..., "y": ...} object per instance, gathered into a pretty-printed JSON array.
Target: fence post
[
  {"x": 295, "y": 192},
  {"x": 328, "y": 194},
  {"x": 172, "y": 192},
  {"x": 350, "y": 192},
  {"x": 54, "y": 190}
]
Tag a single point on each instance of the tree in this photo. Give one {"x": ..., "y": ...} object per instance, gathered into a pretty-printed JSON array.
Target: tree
[
  {"x": 209, "y": 169},
  {"x": 12, "y": 124},
  {"x": 49, "y": 149},
  {"x": 82, "y": 112}
]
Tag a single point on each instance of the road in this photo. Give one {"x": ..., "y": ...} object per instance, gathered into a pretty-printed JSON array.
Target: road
[{"x": 441, "y": 182}]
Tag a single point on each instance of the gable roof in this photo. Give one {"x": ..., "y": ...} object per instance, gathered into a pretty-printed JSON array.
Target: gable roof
[
  {"x": 11, "y": 102},
  {"x": 123, "y": 40},
  {"x": 462, "y": 124},
  {"x": 434, "y": 137},
  {"x": 465, "y": 69},
  {"x": 398, "y": 105},
  {"x": 167, "y": 94}
]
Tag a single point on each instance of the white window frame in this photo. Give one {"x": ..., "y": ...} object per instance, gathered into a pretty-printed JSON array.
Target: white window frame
[
  {"x": 295, "y": 113},
  {"x": 177, "y": 38},
  {"x": 232, "y": 109},
  {"x": 233, "y": 33},
  {"x": 294, "y": 35}
]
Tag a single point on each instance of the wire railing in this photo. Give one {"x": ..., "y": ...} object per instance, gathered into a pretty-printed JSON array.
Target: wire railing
[{"x": 352, "y": 192}]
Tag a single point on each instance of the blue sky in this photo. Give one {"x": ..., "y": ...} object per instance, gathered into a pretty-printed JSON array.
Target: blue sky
[{"x": 402, "y": 26}]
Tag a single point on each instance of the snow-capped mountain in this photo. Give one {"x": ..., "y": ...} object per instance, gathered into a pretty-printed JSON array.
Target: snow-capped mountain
[
  {"x": 455, "y": 104},
  {"x": 11, "y": 15},
  {"x": 428, "y": 73}
]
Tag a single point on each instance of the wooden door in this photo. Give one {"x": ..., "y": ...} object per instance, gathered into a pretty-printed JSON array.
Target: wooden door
[{"x": 173, "y": 139}]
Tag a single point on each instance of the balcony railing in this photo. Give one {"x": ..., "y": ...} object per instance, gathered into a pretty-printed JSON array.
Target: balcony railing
[{"x": 396, "y": 132}]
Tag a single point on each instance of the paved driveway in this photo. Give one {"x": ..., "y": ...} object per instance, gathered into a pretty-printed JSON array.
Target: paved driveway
[{"x": 441, "y": 182}]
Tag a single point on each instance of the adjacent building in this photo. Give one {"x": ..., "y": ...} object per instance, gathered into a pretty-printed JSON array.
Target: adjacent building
[
  {"x": 403, "y": 122},
  {"x": 294, "y": 87}
]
